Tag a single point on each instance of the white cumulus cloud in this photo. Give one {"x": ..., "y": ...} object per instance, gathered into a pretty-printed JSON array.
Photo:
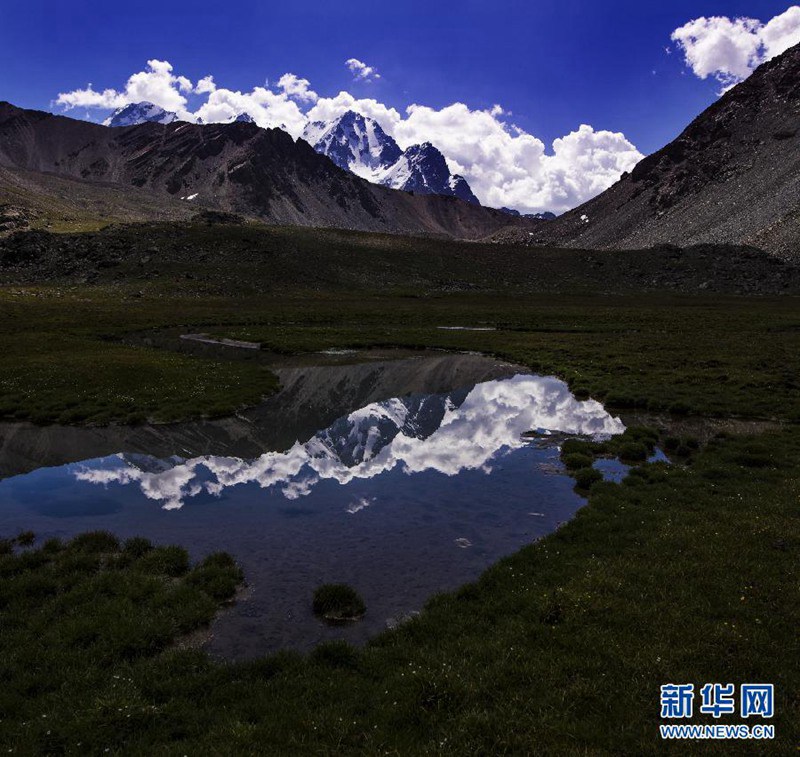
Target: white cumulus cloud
[
  {"x": 205, "y": 85},
  {"x": 361, "y": 71},
  {"x": 157, "y": 84},
  {"x": 267, "y": 108},
  {"x": 729, "y": 49},
  {"x": 297, "y": 88},
  {"x": 504, "y": 165},
  {"x": 328, "y": 108}
]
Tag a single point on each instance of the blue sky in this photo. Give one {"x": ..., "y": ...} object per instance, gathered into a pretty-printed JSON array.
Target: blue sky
[{"x": 553, "y": 64}]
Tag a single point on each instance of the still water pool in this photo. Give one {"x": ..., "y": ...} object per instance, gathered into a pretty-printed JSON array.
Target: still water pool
[{"x": 402, "y": 477}]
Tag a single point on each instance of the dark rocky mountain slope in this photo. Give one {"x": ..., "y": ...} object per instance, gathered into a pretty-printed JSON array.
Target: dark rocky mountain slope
[
  {"x": 732, "y": 176},
  {"x": 236, "y": 167},
  {"x": 217, "y": 255}
]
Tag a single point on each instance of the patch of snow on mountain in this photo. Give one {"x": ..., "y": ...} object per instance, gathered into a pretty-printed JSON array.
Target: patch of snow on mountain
[{"x": 140, "y": 113}]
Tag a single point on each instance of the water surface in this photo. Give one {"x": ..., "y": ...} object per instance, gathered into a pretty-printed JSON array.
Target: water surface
[{"x": 402, "y": 478}]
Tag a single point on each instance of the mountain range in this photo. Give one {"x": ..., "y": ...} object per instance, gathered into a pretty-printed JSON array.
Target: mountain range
[
  {"x": 238, "y": 167},
  {"x": 357, "y": 143},
  {"x": 731, "y": 177},
  {"x": 353, "y": 142}
]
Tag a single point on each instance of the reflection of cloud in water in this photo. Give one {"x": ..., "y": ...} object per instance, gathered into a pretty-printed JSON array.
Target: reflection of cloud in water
[
  {"x": 360, "y": 504},
  {"x": 430, "y": 433}
]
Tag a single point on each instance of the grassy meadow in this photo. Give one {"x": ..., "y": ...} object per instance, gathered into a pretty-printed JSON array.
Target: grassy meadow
[{"x": 684, "y": 572}]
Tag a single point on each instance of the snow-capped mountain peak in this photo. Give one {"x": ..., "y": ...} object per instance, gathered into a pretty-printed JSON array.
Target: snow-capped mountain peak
[
  {"x": 358, "y": 144},
  {"x": 140, "y": 113},
  {"x": 423, "y": 169},
  {"x": 355, "y": 143}
]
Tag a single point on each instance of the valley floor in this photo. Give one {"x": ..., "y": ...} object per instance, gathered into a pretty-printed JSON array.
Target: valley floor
[{"x": 681, "y": 573}]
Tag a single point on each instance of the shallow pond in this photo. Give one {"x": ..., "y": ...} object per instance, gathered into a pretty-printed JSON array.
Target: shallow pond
[{"x": 402, "y": 477}]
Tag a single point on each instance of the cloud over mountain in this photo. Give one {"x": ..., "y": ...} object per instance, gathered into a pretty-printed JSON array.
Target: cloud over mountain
[
  {"x": 156, "y": 84},
  {"x": 730, "y": 49},
  {"x": 505, "y": 165}
]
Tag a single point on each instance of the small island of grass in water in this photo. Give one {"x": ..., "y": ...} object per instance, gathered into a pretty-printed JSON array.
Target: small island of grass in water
[{"x": 338, "y": 603}]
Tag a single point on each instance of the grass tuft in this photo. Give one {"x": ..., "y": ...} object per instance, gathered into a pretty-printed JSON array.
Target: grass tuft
[
  {"x": 26, "y": 538},
  {"x": 338, "y": 603},
  {"x": 586, "y": 478},
  {"x": 95, "y": 542}
]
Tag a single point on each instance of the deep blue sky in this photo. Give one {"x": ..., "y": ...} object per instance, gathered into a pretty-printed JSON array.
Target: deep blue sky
[{"x": 553, "y": 63}]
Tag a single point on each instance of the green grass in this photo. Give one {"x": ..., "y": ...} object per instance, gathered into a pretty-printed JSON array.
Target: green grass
[
  {"x": 586, "y": 478},
  {"x": 75, "y": 616},
  {"x": 683, "y": 573},
  {"x": 65, "y": 359},
  {"x": 338, "y": 603},
  {"x": 64, "y": 362},
  {"x": 678, "y": 574}
]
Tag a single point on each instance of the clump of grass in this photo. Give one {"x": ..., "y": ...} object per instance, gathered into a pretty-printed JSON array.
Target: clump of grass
[
  {"x": 649, "y": 473},
  {"x": 95, "y": 542},
  {"x": 26, "y": 538},
  {"x": 218, "y": 576},
  {"x": 633, "y": 452},
  {"x": 53, "y": 545},
  {"x": 338, "y": 603},
  {"x": 576, "y": 460},
  {"x": 137, "y": 546},
  {"x": 683, "y": 446},
  {"x": 586, "y": 478},
  {"x": 644, "y": 434},
  {"x": 170, "y": 561}
]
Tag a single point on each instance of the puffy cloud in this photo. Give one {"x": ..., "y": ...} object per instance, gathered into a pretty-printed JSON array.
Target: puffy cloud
[
  {"x": 205, "y": 85},
  {"x": 504, "y": 165},
  {"x": 729, "y": 49},
  {"x": 297, "y": 88},
  {"x": 267, "y": 108},
  {"x": 328, "y": 108},
  {"x": 361, "y": 71},
  {"x": 157, "y": 84},
  {"x": 781, "y": 32}
]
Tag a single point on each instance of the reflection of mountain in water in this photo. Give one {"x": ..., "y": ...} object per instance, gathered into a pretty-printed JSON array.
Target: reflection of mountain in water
[
  {"x": 311, "y": 397},
  {"x": 446, "y": 433},
  {"x": 361, "y": 435}
]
